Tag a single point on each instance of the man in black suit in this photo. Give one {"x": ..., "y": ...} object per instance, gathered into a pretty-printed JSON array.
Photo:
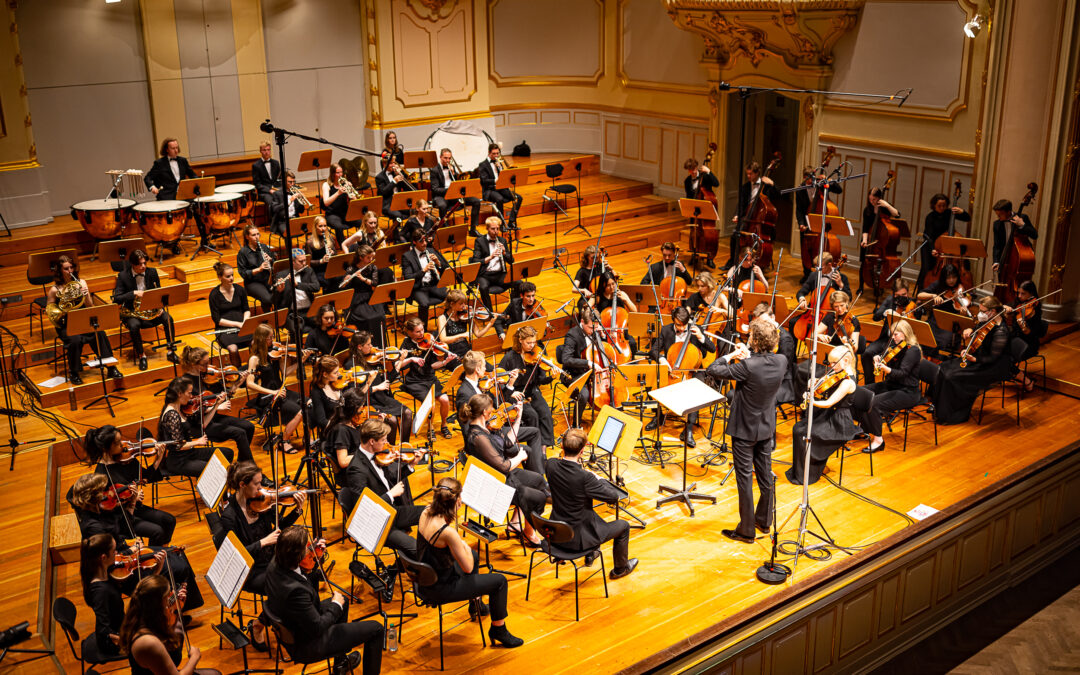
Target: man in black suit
[
  {"x": 130, "y": 285},
  {"x": 266, "y": 173},
  {"x": 699, "y": 180},
  {"x": 667, "y": 267},
  {"x": 276, "y": 202},
  {"x": 573, "y": 490},
  {"x": 488, "y": 173},
  {"x": 522, "y": 308},
  {"x": 495, "y": 255},
  {"x": 441, "y": 177},
  {"x": 473, "y": 367},
  {"x": 758, "y": 375},
  {"x": 828, "y": 274},
  {"x": 677, "y": 332},
  {"x": 302, "y": 281},
  {"x": 804, "y": 201},
  {"x": 168, "y": 170},
  {"x": 387, "y": 182},
  {"x": 320, "y": 628},
  {"x": 577, "y": 338},
  {"x": 755, "y": 184},
  {"x": 424, "y": 266}
]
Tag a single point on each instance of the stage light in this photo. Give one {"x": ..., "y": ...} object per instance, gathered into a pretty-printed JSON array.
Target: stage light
[{"x": 972, "y": 28}]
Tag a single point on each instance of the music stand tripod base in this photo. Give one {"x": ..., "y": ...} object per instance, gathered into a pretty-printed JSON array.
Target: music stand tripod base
[
  {"x": 683, "y": 398},
  {"x": 773, "y": 573},
  {"x": 684, "y": 495}
]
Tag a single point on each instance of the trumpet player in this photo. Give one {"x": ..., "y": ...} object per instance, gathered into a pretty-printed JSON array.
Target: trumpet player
[
  {"x": 302, "y": 281},
  {"x": 131, "y": 283},
  {"x": 69, "y": 292},
  {"x": 447, "y": 172},
  {"x": 387, "y": 182},
  {"x": 495, "y": 256},
  {"x": 424, "y": 266},
  {"x": 283, "y": 206},
  {"x": 488, "y": 173},
  {"x": 335, "y": 199}
]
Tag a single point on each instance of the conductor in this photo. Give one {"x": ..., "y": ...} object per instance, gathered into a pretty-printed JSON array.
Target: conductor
[{"x": 758, "y": 374}]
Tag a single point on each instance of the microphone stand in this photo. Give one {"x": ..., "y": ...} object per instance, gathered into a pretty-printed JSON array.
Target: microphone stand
[
  {"x": 13, "y": 442},
  {"x": 556, "y": 215},
  {"x": 906, "y": 261}
]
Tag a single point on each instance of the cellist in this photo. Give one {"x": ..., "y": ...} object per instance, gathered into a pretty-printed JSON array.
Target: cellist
[
  {"x": 829, "y": 275},
  {"x": 698, "y": 181},
  {"x": 606, "y": 299},
  {"x": 675, "y": 334},
  {"x": 755, "y": 182},
  {"x": 875, "y": 204},
  {"x": 1019, "y": 223},
  {"x": 669, "y": 266},
  {"x": 574, "y": 363},
  {"x": 746, "y": 271}
]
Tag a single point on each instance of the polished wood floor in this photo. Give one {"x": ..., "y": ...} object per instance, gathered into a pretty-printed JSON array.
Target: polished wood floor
[{"x": 689, "y": 577}]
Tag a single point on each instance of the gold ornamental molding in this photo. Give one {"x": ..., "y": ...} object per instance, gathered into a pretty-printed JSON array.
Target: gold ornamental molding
[
  {"x": 432, "y": 10},
  {"x": 789, "y": 41}
]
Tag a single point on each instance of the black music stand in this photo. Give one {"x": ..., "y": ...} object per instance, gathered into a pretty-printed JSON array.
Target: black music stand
[
  {"x": 163, "y": 297},
  {"x": 391, "y": 293},
  {"x": 407, "y": 200},
  {"x": 116, "y": 251},
  {"x": 95, "y": 320},
  {"x": 314, "y": 160},
  {"x": 683, "y": 398},
  {"x": 9, "y": 411},
  {"x": 523, "y": 270},
  {"x": 390, "y": 256},
  {"x": 454, "y": 238},
  {"x": 696, "y": 210}
]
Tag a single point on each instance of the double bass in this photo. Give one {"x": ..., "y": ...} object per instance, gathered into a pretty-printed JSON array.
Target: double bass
[
  {"x": 708, "y": 236},
  {"x": 882, "y": 255},
  {"x": 961, "y": 263},
  {"x": 1017, "y": 263},
  {"x": 760, "y": 219},
  {"x": 820, "y": 204}
]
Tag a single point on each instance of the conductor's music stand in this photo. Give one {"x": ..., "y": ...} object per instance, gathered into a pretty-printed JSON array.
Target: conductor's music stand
[
  {"x": 683, "y": 398},
  {"x": 116, "y": 251},
  {"x": 94, "y": 320},
  {"x": 698, "y": 210},
  {"x": 190, "y": 189}
]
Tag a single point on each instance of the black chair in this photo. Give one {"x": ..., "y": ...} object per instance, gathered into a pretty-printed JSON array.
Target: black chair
[
  {"x": 421, "y": 575},
  {"x": 564, "y": 190},
  {"x": 285, "y": 638},
  {"x": 924, "y": 409},
  {"x": 1017, "y": 347},
  {"x": 1022, "y": 364},
  {"x": 64, "y": 613},
  {"x": 168, "y": 479},
  {"x": 557, "y": 532}
]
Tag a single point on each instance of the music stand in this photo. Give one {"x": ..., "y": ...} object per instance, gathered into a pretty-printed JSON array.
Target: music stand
[
  {"x": 614, "y": 433},
  {"x": 463, "y": 189},
  {"x": 644, "y": 326},
  {"x": 189, "y": 190},
  {"x": 832, "y": 223},
  {"x": 280, "y": 265},
  {"x": 570, "y": 391},
  {"x": 407, "y": 200},
  {"x": 465, "y": 274},
  {"x": 697, "y": 210},
  {"x": 275, "y": 318},
  {"x": 683, "y": 398},
  {"x": 640, "y": 294},
  {"x": 116, "y": 251},
  {"x": 956, "y": 322},
  {"x": 960, "y": 247},
  {"x": 300, "y": 226},
  {"x": 314, "y": 160},
  {"x": 358, "y": 208},
  {"x": 422, "y": 160},
  {"x": 335, "y": 266},
  {"x": 509, "y": 179},
  {"x": 389, "y": 256},
  {"x": 163, "y": 297},
  {"x": 95, "y": 320},
  {"x": 341, "y": 300},
  {"x": 392, "y": 292},
  {"x": 538, "y": 324},
  {"x": 524, "y": 270},
  {"x": 454, "y": 238}
]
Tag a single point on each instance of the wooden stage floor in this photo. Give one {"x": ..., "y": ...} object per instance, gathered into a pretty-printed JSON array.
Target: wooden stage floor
[{"x": 689, "y": 577}]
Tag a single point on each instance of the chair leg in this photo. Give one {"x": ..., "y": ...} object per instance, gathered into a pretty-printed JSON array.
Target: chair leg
[
  {"x": 577, "y": 603},
  {"x": 603, "y": 574},
  {"x": 907, "y": 419},
  {"x": 442, "y": 665},
  {"x": 843, "y": 451},
  {"x": 528, "y": 582}
]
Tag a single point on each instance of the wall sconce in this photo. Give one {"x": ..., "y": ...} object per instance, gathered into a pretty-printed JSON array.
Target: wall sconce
[{"x": 972, "y": 28}]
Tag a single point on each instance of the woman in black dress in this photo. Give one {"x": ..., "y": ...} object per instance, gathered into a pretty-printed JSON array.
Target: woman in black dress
[
  {"x": 418, "y": 370},
  {"x": 341, "y": 439},
  {"x": 229, "y": 309},
  {"x": 335, "y": 202},
  {"x": 362, "y": 276},
  {"x": 605, "y": 299},
  {"x": 265, "y": 377},
  {"x": 257, "y": 531},
  {"x": 1031, "y": 329},
  {"x": 256, "y": 263},
  {"x": 369, "y": 233},
  {"x": 533, "y": 377},
  {"x": 375, "y": 391},
  {"x": 104, "y": 449},
  {"x": 590, "y": 270},
  {"x": 102, "y": 594},
  {"x": 191, "y": 456},
  {"x": 832, "y": 420},
  {"x": 900, "y": 387},
  {"x": 319, "y": 247},
  {"x": 456, "y": 326},
  {"x": 392, "y": 149},
  {"x": 320, "y": 339},
  {"x": 948, "y": 295},
  {"x": 504, "y": 454},
  {"x": 440, "y": 545},
  {"x": 150, "y": 634},
  {"x": 936, "y": 224},
  {"x": 222, "y": 427},
  {"x": 956, "y": 387},
  {"x": 874, "y": 205},
  {"x": 325, "y": 397}
]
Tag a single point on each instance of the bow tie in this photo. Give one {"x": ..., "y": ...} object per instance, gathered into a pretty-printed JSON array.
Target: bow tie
[
  {"x": 140, "y": 275},
  {"x": 493, "y": 241}
]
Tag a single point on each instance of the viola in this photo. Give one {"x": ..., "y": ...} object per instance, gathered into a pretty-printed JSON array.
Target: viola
[
  {"x": 1018, "y": 259},
  {"x": 406, "y": 452},
  {"x": 339, "y": 329},
  {"x": 707, "y": 234},
  {"x": 804, "y": 325},
  {"x": 267, "y": 498},
  {"x": 536, "y": 356},
  {"x": 606, "y": 389},
  {"x": 882, "y": 255},
  {"x": 208, "y": 400},
  {"x": 821, "y": 205},
  {"x": 760, "y": 219},
  {"x": 498, "y": 376},
  {"x": 672, "y": 290},
  {"x": 313, "y": 557},
  {"x": 884, "y": 359}
]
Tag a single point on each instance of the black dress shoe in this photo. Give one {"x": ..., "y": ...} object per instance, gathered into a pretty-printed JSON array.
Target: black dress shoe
[
  {"x": 735, "y": 536},
  {"x": 74, "y": 379},
  {"x": 710, "y": 264},
  {"x": 347, "y": 663},
  {"x": 763, "y": 530},
  {"x": 142, "y": 363},
  {"x": 871, "y": 450},
  {"x": 258, "y": 646},
  {"x": 619, "y": 573},
  {"x": 113, "y": 373},
  {"x": 501, "y": 635},
  {"x": 590, "y": 557},
  {"x": 171, "y": 357},
  {"x": 688, "y": 437},
  {"x": 653, "y": 424}
]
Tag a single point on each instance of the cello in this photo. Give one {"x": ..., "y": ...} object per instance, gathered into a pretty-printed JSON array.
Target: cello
[
  {"x": 751, "y": 285},
  {"x": 760, "y": 218},
  {"x": 820, "y": 204},
  {"x": 1017, "y": 263},
  {"x": 804, "y": 326},
  {"x": 708, "y": 236},
  {"x": 613, "y": 321},
  {"x": 962, "y": 264},
  {"x": 672, "y": 289},
  {"x": 882, "y": 257}
]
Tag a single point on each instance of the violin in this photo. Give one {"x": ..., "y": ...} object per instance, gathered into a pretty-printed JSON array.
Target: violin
[
  {"x": 1017, "y": 263},
  {"x": 277, "y": 350},
  {"x": 760, "y": 218},
  {"x": 480, "y": 313},
  {"x": 208, "y": 400},
  {"x": 884, "y": 359},
  {"x": 821, "y": 205},
  {"x": 497, "y": 376},
  {"x": 358, "y": 377},
  {"x": 339, "y": 329},
  {"x": 366, "y": 413},
  {"x": 380, "y": 355},
  {"x": 536, "y": 356},
  {"x": 406, "y": 452},
  {"x": 672, "y": 290},
  {"x": 126, "y": 564},
  {"x": 804, "y": 325},
  {"x": 117, "y": 495},
  {"x": 427, "y": 343},
  {"x": 606, "y": 390},
  {"x": 1025, "y": 313},
  {"x": 976, "y": 339},
  {"x": 145, "y": 448},
  {"x": 826, "y": 383},
  {"x": 505, "y": 414},
  {"x": 231, "y": 375},
  {"x": 314, "y": 556},
  {"x": 267, "y": 498},
  {"x": 960, "y": 302},
  {"x": 536, "y": 309}
]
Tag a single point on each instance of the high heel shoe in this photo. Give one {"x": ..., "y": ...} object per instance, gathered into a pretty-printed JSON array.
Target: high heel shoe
[{"x": 258, "y": 646}]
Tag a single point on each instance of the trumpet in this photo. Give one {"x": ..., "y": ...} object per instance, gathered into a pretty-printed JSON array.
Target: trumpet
[
  {"x": 295, "y": 189},
  {"x": 348, "y": 188}
]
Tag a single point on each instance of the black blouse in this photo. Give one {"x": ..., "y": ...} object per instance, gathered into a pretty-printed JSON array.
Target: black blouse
[
  {"x": 342, "y": 437},
  {"x": 220, "y": 308},
  {"x": 513, "y": 361},
  {"x": 829, "y": 321},
  {"x": 322, "y": 407},
  {"x": 249, "y": 259},
  {"x": 107, "y": 603},
  {"x": 250, "y": 534},
  {"x": 490, "y": 448}
]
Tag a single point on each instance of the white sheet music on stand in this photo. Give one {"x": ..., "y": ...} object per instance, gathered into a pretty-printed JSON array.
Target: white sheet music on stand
[
  {"x": 423, "y": 412},
  {"x": 211, "y": 483},
  {"x": 687, "y": 396},
  {"x": 229, "y": 571},
  {"x": 370, "y": 522},
  {"x": 485, "y": 491}
]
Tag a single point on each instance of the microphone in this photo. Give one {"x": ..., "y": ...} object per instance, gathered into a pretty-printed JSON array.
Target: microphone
[
  {"x": 266, "y": 127},
  {"x": 546, "y": 197}
]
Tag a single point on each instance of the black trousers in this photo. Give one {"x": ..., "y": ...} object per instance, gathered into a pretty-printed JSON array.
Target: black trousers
[
  {"x": 399, "y": 538},
  {"x": 500, "y": 197},
  {"x": 135, "y": 325},
  {"x": 341, "y": 638},
  {"x": 425, "y": 297},
  {"x": 472, "y": 585},
  {"x": 341, "y": 226},
  {"x": 875, "y": 348},
  {"x": 617, "y": 532},
  {"x": 531, "y": 490},
  {"x": 539, "y": 407},
  {"x": 192, "y": 462},
  {"x": 472, "y": 203},
  {"x": 491, "y": 282},
  {"x": 584, "y": 400},
  {"x": 753, "y": 457},
  {"x": 885, "y": 401},
  {"x": 155, "y": 525},
  {"x": 259, "y": 291},
  {"x": 227, "y": 429},
  {"x": 73, "y": 345},
  {"x": 529, "y": 436}
]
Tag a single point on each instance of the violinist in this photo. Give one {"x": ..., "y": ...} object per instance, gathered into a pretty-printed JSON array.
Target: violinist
[
  {"x": 320, "y": 246},
  {"x": 748, "y": 270},
  {"x": 325, "y": 397},
  {"x": 828, "y": 275},
  {"x": 363, "y": 276},
  {"x": 573, "y": 490},
  {"x": 500, "y": 450},
  {"x": 527, "y": 357},
  {"x": 341, "y": 438},
  {"x": 786, "y": 345},
  {"x": 420, "y": 220},
  {"x": 573, "y": 361},
  {"x": 946, "y": 289},
  {"x": 986, "y": 360},
  {"x": 276, "y": 404},
  {"x": 758, "y": 374},
  {"x": 803, "y": 203},
  {"x": 748, "y": 191},
  {"x": 418, "y": 369},
  {"x": 458, "y": 325},
  {"x": 441, "y": 177},
  {"x": 440, "y": 545},
  {"x": 900, "y": 387},
  {"x": 105, "y": 448},
  {"x": 389, "y": 181},
  {"x": 833, "y": 427},
  {"x": 1028, "y": 324},
  {"x": 704, "y": 296},
  {"x": 369, "y": 233},
  {"x": 131, "y": 283},
  {"x": 191, "y": 456},
  {"x": 677, "y": 333},
  {"x": 424, "y": 266},
  {"x": 1009, "y": 221},
  {"x": 495, "y": 255},
  {"x": 699, "y": 179},
  {"x": 321, "y": 628},
  {"x": 222, "y": 427},
  {"x": 388, "y": 479},
  {"x": 229, "y": 310},
  {"x": 937, "y": 222},
  {"x": 89, "y": 498},
  {"x": 102, "y": 594},
  {"x": 302, "y": 281},
  {"x": 488, "y": 173},
  {"x": 839, "y": 326},
  {"x": 319, "y": 338},
  {"x": 473, "y": 367},
  {"x": 255, "y": 261},
  {"x": 257, "y": 526},
  {"x": 591, "y": 268},
  {"x": 522, "y": 308},
  {"x": 376, "y": 391},
  {"x": 151, "y": 634},
  {"x": 891, "y": 310},
  {"x": 335, "y": 202},
  {"x": 875, "y": 204},
  {"x": 669, "y": 266}
]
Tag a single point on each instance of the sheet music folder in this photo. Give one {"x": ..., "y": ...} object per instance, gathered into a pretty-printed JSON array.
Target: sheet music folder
[
  {"x": 229, "y": 570},
  {"x": 370, "y": 521},
  {"x": 485, "y": 491}
]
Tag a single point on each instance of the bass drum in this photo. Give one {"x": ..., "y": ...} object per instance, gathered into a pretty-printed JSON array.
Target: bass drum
[
  {"x": 248, "y": 195},
  {"x": 163, "y": 221},
  {"x": 468, "y": 142},
  {"x": 103, "y": 218},
  {"x": 221, "y": 210}
]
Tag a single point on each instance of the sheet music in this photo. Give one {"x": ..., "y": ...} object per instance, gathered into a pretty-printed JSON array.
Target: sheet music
[
  {"x": 487, "y": 495},
  {"x": 367, "y": 524},
  {"x": 227, "y": 573},
  {"x": 422, "y": 413},
  {"x": 212, "y": 482}
]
